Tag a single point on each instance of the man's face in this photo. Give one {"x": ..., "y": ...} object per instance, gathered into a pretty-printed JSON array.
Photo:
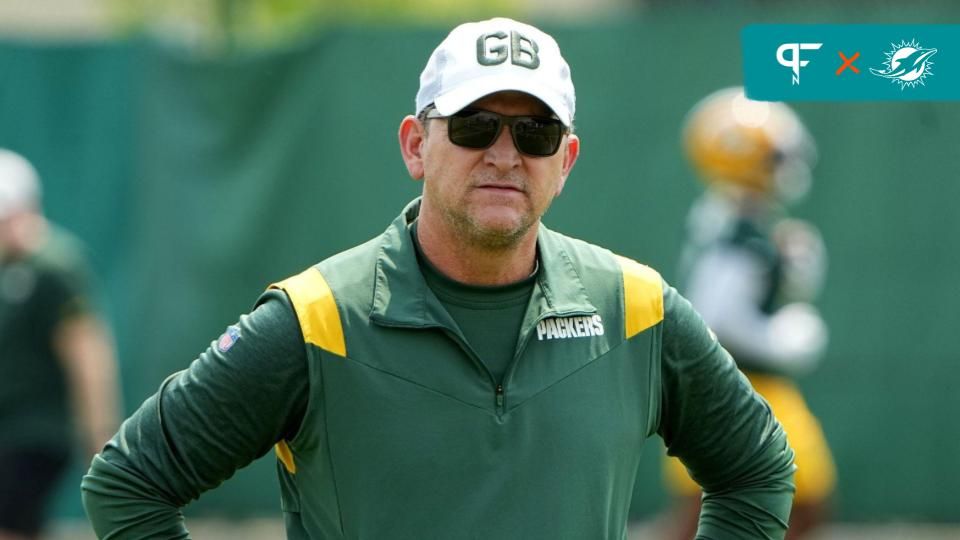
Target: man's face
[
  {"x": 492, "y": 197},
  {"x": 19, "y": 231}
]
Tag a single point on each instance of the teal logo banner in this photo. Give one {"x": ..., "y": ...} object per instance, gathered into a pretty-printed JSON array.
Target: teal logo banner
[{"x": 851, "y": 62}]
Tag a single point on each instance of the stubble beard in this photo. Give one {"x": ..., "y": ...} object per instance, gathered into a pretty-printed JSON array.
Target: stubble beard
[
  {"x": 478, "y": 234},
  {"x": 484, "y": 237}
]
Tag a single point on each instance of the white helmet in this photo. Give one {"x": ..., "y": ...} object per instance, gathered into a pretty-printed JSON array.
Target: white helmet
[{"x": 19, "y": 183}]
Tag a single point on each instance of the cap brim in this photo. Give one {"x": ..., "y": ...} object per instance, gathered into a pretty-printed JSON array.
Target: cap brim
[{"x": 470, "y": 91}]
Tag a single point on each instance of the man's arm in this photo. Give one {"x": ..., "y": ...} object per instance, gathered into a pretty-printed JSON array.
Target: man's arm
[
  {"x": 228, "y": 408},
  {"x": 86, "y": 351},
  {"x": 723, "y": 431},
  {"x": 81, "y": 342}
]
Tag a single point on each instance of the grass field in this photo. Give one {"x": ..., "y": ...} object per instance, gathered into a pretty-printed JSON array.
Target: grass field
[{"x": 265, "y": 529}]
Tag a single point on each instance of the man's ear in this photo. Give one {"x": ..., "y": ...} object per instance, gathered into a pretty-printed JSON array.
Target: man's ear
[
  {"x": 412, "y": 136},
  {"x": 571, "y": 151}
]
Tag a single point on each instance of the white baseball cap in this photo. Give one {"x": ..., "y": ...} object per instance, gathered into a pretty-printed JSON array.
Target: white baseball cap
[
  {"x": 479, "y": 58},
  {"x": 19, "y": 183}
]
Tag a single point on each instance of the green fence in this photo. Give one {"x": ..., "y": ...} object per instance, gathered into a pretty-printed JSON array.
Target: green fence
[{"x": 198, "y": 182}]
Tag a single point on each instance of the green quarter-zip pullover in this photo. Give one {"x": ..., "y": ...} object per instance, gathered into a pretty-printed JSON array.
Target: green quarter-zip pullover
[{"x": 387, "y": 425}]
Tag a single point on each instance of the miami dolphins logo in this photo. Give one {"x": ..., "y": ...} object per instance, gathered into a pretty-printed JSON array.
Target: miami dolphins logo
[{"x": 907, "y": 64}]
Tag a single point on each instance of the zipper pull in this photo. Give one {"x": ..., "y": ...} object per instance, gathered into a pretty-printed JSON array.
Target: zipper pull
[{"x": 499, "y": 396}]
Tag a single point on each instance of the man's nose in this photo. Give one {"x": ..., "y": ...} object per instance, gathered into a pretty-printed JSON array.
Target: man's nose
[{"x": 503, "y": 153}]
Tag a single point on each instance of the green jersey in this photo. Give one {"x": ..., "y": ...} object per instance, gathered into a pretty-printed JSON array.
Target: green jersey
[
  {"x": 388, "y": 425},
  {"x": 37, "y": 293}
]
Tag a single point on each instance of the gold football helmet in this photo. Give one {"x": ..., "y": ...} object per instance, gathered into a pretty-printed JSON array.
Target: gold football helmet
[{"x": 758, "y": 146}]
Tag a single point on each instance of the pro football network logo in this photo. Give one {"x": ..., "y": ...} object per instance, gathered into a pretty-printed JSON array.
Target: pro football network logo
[
  {"x": 794, "y": 62},
  {"x": 907, "y": 64}
]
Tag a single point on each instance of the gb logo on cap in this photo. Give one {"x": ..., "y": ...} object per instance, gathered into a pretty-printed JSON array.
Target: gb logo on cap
[{"x": 522, "y": 50}]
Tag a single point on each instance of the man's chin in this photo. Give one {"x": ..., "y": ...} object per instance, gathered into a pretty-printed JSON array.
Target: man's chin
[{"x": 499, "y": 234}]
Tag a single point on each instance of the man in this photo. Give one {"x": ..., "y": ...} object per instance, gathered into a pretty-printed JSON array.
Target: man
[
  {"x": 55, "y": 355},
  {"x": 752, "y": 273},
  {"x": 469, "y": 373}
]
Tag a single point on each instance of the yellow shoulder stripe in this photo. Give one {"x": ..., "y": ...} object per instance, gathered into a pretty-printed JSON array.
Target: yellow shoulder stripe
[
  {"x": 642, "y": 296},
  {"x": 316, "y": 309},
  {"x": 285, "y": 456}
]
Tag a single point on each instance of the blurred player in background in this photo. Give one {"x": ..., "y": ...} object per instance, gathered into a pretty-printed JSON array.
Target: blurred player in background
[
  {"x": 56, "y": 357},
  {"x": 752, "y": 272}
]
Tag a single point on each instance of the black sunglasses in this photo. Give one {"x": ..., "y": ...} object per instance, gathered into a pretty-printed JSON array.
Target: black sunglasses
[{"x": 476, "y": 128}]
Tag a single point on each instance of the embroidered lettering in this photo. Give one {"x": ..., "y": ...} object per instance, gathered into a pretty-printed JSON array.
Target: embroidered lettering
[{"x": 570, "y": 327}]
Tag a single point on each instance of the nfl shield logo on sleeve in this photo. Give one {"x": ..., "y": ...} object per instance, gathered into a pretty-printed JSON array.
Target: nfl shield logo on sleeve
[{"x": 231, "y": 336}]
